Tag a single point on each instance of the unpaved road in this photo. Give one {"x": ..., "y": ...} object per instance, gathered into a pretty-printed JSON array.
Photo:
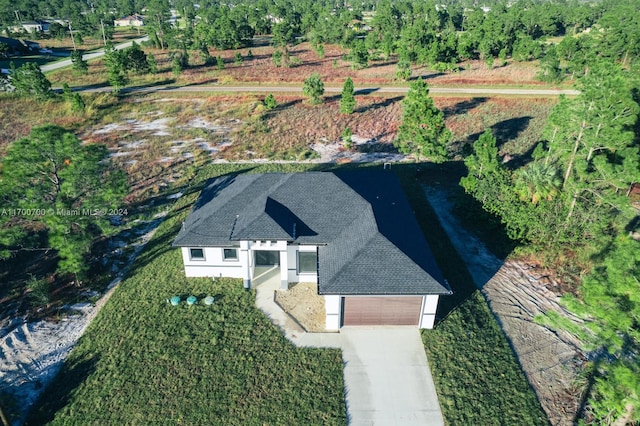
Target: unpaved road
[
  {"x": 485, "y": 91},
  {"x": 517, "y": 292}
]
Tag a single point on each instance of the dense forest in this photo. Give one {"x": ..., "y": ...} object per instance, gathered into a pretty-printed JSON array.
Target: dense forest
[
  {"x": 567, "y": 201},
  {"x": 431, "y": 33}
]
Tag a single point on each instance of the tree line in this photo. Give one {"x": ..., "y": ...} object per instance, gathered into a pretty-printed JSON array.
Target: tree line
[
  {"x": 569, "y": 205},
  {"x": 439, "y": 34}
]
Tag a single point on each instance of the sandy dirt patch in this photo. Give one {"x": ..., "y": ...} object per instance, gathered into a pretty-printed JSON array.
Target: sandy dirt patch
[
  {"x": 517, "y": 292},
  {"x": 32, "y": 353},
  {"x": 304, "y": 304}
]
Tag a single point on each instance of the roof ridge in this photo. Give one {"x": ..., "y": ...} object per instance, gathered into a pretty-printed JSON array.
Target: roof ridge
[{"x": 261, "y": 200}]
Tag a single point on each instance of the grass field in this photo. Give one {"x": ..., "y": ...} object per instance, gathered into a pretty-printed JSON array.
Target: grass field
[{"x": 143, "y": 361}]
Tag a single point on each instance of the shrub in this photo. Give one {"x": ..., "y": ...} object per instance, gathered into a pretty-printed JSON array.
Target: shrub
[
  {"x": 270, "y": 102},
  {"x": 347, "y": 138},
  {"x": 39, "y": 294}
]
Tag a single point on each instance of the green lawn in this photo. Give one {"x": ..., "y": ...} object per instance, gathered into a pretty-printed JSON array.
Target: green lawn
[{"x": 142, "y": 361}]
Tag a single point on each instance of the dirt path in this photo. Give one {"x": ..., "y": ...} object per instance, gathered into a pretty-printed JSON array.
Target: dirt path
[
  {"x": 516, "y": 293},
  {"x": 476, "y": 91}
]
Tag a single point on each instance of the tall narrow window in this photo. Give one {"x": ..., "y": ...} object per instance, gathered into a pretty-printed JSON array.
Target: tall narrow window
[
  {"x": 196, "y": 254},
  {"x": 230, "y": 254},
  {"x": 307, "y": 262}
]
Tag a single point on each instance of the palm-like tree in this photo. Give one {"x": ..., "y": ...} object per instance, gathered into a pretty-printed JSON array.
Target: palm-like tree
[{"x": 538, "y": 181}]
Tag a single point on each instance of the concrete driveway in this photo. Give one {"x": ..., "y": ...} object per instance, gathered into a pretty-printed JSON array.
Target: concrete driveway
[{"x": 387, "y": 377}]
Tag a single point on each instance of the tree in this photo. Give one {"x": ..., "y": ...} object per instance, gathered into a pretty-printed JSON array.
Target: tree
[
  {"x": 592, "y": 138},
  {"x": 347, "y": 137},
  {"x": 404, "y": 70},
  {"x": 158, "y": 14},
  {"x": 237, "y": 58},
  {"x": 153, "y": 64},
  {"x": 277, "y": 58},
  {"x": 609, "y": 306},
  {"x": 313, "y": 88},
  {"x": 79, "y": 65},
  {"x": 179, "y": 61},
  {"x": 134, "y": 59},
  {"x": 29, "y": 80},
  {"x": 347, "y": 99},
  {"x": 359, "y": 55},
  {"x": 550, "y": 70},
  {"x": 270, "y": 102},
  {"x": 115, "y": 63},
  {"x": 422, "y": 131},
  {"x": 219, "y": 63},
  {"x": 52, "y": 172},
  {"x": 77, "y": 103}
]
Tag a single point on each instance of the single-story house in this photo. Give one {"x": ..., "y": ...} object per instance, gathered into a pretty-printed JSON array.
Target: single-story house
[
  {"x": 129, "y": 21},
  {"x": 352, "y": 233},
  {"x": 38, "y": 25}
]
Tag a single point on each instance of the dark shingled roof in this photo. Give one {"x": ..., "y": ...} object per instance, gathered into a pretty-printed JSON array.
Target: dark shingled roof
[{"x": 370, "y": 241}]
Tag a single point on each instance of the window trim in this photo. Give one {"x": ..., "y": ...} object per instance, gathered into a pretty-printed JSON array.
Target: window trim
[
  {"x": 300, "y": 272},
  {"x": 194, "y": 258},
  {"x": 230, "y": 259}
]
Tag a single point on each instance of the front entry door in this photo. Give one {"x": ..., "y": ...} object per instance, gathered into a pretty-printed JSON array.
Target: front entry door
[{"x": 267, "y": 258}]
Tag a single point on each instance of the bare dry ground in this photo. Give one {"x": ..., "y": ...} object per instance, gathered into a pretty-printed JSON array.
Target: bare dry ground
[
  {"x": 304, "y": 304},
  {"x": 517, "y": 293}
]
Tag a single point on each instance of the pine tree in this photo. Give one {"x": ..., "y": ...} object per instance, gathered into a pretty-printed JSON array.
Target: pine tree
[
  {"x": 29, "y": 80},
  {"x": 347, "y": 99},
  {"x": 114, "y": 62},
  {"x": 314, "y": 88},
  {"x": 53, "y": 172},
  {"x": 347, "y": 137},
  {"x": 270, "y": 102},
  {"x": 153, "y": 64},
  {"x": 79, "y": 65},
  {"x": 422, "y": 131}
]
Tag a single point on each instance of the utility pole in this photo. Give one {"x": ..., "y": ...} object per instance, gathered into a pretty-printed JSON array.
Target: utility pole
[
  {"x": 73, "y": 41},
  {"x": 104, "y": 38}
]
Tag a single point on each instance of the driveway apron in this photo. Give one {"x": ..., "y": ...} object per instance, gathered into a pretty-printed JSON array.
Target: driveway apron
[{"x": 387, "y": 377}]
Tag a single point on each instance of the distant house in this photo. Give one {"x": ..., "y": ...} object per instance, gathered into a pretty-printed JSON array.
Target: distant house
[
  {"x": 358, "y": 25},
  {"x": 129, "y": 21},
  {"x": 352, "y": 233},
  {"x": 31, "y": 27}
]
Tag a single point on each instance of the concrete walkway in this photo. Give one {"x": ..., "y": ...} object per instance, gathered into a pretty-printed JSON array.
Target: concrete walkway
[
  {"x": 266, "y": 282},
  {"x": 386, "y": 373}
]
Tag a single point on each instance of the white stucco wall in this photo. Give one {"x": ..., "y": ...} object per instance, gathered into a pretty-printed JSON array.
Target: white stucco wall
[
  {"x": 332, "y": 312},
  {"x": 429, "y": 306},
  {"x": 213, "y": 265}
]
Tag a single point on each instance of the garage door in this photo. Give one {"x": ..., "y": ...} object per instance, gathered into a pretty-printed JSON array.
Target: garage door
[{"x": 382, "y": 310}]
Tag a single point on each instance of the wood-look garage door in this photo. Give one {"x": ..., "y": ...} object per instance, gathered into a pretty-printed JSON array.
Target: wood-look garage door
[{"x": 382, "y": 310}]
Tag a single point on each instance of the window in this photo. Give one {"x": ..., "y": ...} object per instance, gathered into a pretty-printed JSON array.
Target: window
[
  {"x": 230, "y": 254},
  {"x": 196, "y": 253},
  {"x": 307, "y": 262}
]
